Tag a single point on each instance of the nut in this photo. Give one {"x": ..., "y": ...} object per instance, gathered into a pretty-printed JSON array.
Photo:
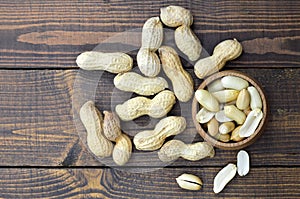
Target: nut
[
  {"x": 227, "y": 95},
  {"x": 223, "y": 177},
  {"x": 92, "y": 121},
  {"x": 235, "y": 135},
  {"x": 207, "y": 100},
  {"x": 153, "y": 139},
  {"x": 152, "y": 37},
  {"x": 243, "y": 99},
  {"x": 189, "y": 182},
  {"x": 148, "y": 62},
  {"x": 213, "y": 127},
  {"x": 251, "y": 123},
  {"x": 226, "y": 127},
  {"x": 255, "y": 101},
  {"x": 133, "y": 82},
  {"x": 174, "y": 16},
  {"x": 112, "y": 62},
  {"x": 215, "y": 86},
  {"x": 182, "y": 81},
  {"x": 225, "y": 51},
  {"x": 111, "y": 126},
  {"x": 223, "y": 137},
  {"x": 157, "y": 107},
  {"x": 174, "y": 149},
  {"x": 122, "y": 150},
  {"x": 243, "y": 163},
  {"x": 187, "y": 42},
  {"x": 234, "y": 113},
  {"x": 112, "y": 131},
  {"x": 203, "y": 116},
  {"x": 152, "y": 34},
  {"x": 233, "y": 82}
]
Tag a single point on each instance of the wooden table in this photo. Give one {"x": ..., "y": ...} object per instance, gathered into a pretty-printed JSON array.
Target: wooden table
[{"x": 41, "y": 154}]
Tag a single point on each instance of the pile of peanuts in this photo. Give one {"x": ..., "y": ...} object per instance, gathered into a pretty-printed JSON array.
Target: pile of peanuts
[
  {"x": 231, "y": 109},
  {"x": 225, "y": 101},
  {"x": 104, "y": 136}
]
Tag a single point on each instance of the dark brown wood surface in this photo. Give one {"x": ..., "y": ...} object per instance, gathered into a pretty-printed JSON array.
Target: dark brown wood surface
[
  {"x": 111, "y": 183},
  {"x": 41, "y": 153}
]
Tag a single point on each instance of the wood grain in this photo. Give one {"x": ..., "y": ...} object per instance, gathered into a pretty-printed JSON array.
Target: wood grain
[
  {"x": 51, "y": 34},
  {"x": 37, "y": 126},
  {"x": 41, "y": 153},
  {"x": 109, "y": 183}
]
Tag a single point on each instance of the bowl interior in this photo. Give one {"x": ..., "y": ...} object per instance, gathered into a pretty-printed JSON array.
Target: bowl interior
[{"x": 230, "y": 145}]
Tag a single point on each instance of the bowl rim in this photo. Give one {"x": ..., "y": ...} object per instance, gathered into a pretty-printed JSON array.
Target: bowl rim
[{"x": 231, "y": 145}]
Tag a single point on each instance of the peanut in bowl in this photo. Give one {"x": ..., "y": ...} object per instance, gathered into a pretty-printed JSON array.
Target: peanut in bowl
[{"x": 230, "y": 110}]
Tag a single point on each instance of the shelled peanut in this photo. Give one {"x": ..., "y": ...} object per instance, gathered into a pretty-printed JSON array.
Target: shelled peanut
[
  {"x": 189, "y": 182},
  {"x": 230, "y": 108}
]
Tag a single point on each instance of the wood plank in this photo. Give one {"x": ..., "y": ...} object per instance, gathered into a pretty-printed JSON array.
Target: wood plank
[
  {"x": 37, "y": 126},
  {"x": 109, "y": 183},
  {"x": 51, "y": 35}
]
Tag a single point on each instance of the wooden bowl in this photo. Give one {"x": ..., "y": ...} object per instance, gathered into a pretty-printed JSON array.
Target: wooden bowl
[{"x": 231, "y": 145}]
